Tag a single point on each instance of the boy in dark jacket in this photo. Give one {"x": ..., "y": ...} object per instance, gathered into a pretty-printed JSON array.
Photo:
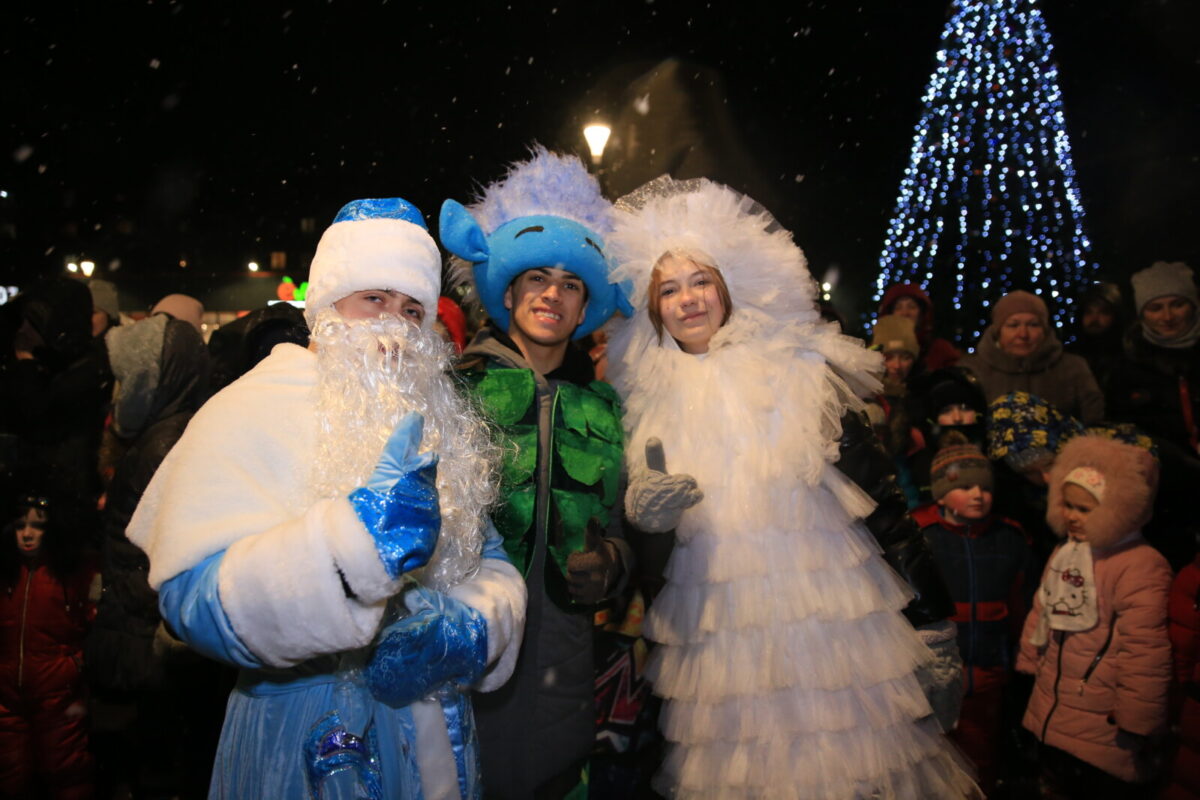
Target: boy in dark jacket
[{"x": 988, "y": 566}]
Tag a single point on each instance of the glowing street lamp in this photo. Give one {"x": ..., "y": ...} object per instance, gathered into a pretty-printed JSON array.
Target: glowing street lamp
[
  {"x": 252, "y": 266},
  {"x": 72, "y": 267},
  {"x": 87, "y": 268},
  {"x": 597, "y": 137}
]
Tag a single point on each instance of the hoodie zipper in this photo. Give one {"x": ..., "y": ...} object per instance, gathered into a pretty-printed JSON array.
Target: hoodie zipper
[{"x": 24, "y": 615}]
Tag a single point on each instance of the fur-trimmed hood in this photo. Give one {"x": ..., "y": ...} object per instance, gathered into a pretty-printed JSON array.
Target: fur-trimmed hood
[{"x": 1130, "y": 483}]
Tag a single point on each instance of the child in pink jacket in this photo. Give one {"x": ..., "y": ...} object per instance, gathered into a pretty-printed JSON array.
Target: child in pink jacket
[{"x": 1096, "y": 639}]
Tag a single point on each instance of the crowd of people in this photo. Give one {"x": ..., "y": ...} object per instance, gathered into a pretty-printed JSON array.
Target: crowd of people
[{"x": 641, "y": 521}]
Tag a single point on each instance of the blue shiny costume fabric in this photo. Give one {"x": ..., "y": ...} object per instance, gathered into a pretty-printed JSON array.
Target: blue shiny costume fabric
[
  {"x": 331, "y": 754},
  {"x": 282, "y": 731},
  {"x": 403, "y": 667},
  {"x": 404, "y": 521},
  {"x": 399, "y": 504}
]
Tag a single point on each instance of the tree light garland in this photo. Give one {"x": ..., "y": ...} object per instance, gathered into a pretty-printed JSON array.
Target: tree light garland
[{"x": 989, "y": 201}]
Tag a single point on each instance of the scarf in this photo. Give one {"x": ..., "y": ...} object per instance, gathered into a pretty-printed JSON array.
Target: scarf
[
  {"x": 1068, "y": 593},
  {"x": 1180, "y": 342}
]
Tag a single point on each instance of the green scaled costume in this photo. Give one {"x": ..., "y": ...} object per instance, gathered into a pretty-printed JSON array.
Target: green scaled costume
[{"x": 582, "y": 465}]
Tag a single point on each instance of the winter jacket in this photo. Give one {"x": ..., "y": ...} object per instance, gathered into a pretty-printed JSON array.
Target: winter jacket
[
  {"x": 863, "y": 460},
  {"x": 1091, "y": 686},
  {"x": 935, "y": 353},
  {"x": 52, "y": 406},
  {"x": 988, "y": 567},
  {"x": 1102, "y": 350},
  {"x": 1184, "y": 629},
  {"x": 42, "y": 694},
  {"x": 1157, "y": 389},
  {"x": 1063, "y": 380},
  {"x": 236, "y": 347},
  {"x": 542, "y": 722},
  {"x": 163, "y": 380}
]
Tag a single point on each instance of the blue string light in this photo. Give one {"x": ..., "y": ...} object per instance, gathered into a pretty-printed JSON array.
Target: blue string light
[{"x": 989, "y": 202}]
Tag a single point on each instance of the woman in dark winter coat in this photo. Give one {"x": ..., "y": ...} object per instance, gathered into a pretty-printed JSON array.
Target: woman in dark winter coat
[
  {"x": 1020, "y": 353},
  {"x": 47, "y": 596},
  {"x": 910, "y": 300},
  {"x": 1156, "y": 386}
]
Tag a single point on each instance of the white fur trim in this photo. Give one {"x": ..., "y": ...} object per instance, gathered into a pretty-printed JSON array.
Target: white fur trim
[
  {"x": 239, "y": 469},
  {"x": 498, "y": 592},
  {"x": 383, "y": 253},
  {"x": 283, "y": 596},
  {"x": 356, "y": 556}
]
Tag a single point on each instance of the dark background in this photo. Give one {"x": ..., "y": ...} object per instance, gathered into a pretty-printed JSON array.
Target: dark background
[{"x": 154, "y": 132}]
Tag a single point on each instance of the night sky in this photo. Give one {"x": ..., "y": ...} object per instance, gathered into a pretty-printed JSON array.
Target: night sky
[{"x": 154, "y": 132}]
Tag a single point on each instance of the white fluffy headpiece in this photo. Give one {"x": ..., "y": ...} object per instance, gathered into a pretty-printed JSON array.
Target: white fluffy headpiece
[
  {"x": 772, "y": 293},
  {"x": 762, "y": 266}
]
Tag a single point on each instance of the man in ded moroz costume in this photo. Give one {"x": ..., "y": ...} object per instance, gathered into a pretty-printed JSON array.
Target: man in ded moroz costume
[
  {"x": 322, "y": 525},
  {"x": 535, "y": 240},
  {"x": 784, "y": 655}
]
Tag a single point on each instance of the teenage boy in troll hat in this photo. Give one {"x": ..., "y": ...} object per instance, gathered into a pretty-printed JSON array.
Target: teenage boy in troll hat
[{"x": 536, "y": 243}]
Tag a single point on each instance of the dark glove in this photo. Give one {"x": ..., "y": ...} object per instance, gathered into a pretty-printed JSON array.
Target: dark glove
[
  {"x": 442, "y": 641},
  {"x": 399, "y": 504},
  {"x": 656, "y": 498},
  {"x": 591, "y": 573}
]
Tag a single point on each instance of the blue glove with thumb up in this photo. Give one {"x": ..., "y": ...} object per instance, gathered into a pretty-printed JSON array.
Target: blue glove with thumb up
[{"x": 399, "y": 504}]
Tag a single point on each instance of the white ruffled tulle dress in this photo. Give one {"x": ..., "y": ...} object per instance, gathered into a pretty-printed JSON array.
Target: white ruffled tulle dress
[{"x": 786, "y": 665}]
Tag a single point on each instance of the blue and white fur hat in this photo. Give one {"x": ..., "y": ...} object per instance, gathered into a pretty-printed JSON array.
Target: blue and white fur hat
[
  {"x": 375, "y": 244},
  {"x": 546, "y": 212}
]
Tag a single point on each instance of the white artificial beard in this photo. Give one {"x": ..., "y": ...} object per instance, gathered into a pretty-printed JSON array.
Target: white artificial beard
[{"x": 370, "y": 373}]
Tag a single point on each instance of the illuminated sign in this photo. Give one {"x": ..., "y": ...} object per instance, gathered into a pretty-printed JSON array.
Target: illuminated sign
[{"x": 287, "y": 290}]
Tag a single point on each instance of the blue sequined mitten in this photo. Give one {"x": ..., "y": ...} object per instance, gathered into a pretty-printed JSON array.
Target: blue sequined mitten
[
  {"x": 399, "y": 504},
  {"x": 442, "y": 641}
]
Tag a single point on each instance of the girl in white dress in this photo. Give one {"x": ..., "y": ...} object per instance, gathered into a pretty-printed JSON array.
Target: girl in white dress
[{"x": 786, "y": 664}]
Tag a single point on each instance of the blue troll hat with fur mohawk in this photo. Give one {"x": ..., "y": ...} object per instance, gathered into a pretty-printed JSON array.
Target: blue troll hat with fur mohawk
[{"x": 546, "y": 212}]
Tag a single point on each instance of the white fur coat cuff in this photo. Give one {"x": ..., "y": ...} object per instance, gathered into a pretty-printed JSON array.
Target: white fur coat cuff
[
  {"x": 282, "y": 593},
  {"x": 498, "y": 592},
  {"x": 356, "y": 556}
]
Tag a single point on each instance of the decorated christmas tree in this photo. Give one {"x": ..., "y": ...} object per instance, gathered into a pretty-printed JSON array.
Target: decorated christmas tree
[{"x": 989, "y": 201}]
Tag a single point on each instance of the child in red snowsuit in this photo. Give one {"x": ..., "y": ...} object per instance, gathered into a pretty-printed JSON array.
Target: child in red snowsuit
[{"x": 46, "y": 603}]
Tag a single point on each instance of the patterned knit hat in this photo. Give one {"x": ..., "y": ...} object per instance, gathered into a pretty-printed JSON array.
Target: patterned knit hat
[
  {"x": 959, "y": 465},
  {"x": 1024, "y": 429}
]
